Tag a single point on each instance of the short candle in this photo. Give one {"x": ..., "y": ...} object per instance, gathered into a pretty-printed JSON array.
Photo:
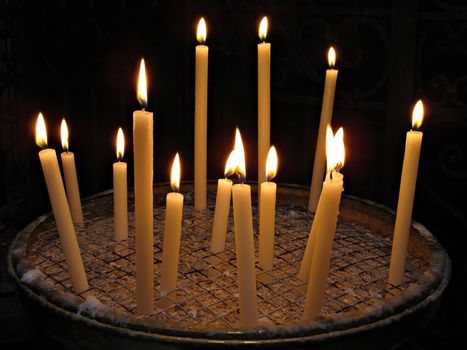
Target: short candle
[
  {"x": 120, "y": 191},
  {"x": 221, "y": 212},
  {"x": 71, "y": 179},
  {"x": 267, "y": 213},
  {"x": 172, "y": 231}
]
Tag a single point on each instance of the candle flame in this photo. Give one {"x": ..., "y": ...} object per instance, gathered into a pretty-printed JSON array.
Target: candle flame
[
  {"x": 142, "y": 86},
  {"x": 271, "y": 163},
  {"x": 175, "y": 174},
  {"x": 201, "y": 32},
  {"x": 417, "y": 115},
  {"x": 335, "y": 150},
  {"x": 64, "y": 135},
  {"x": 240, "y": 169},
  {"x": 120, "y": 144},
  {"x": 263, "y": 28},
  {"x": 331, "y": 57},
  {"x": 41, "y": 131},
  {"x": 231, "y": 164}
]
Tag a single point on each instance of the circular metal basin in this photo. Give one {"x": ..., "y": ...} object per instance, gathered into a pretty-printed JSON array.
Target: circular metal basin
[{"x": 361, "y": 310}]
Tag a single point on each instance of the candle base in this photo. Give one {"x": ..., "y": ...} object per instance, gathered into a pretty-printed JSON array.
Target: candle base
[{"x": 205, "y": 300}]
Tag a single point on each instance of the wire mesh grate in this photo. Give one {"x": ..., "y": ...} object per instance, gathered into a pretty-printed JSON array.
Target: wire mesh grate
[{"x": 207, "y": 292}]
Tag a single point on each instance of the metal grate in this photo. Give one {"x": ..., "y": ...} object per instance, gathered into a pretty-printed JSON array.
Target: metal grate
[{"x": 207, "y": 287}]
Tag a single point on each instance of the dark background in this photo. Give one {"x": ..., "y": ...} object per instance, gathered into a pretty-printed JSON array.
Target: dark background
[{"x": 80, "y": 60}]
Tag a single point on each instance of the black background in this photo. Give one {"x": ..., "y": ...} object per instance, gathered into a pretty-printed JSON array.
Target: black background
[{"x": 80, "y": 60}]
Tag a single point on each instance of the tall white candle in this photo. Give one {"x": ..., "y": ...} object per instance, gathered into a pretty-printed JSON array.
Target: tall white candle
[
  {"x": 326, "y": 220},
  {"x": 172, "y": 232},
  {"x": 221, "y": 213},
  {"x": 243, "y": 226},
  {"x": 143, "y": 163},
  {"x": 406, "y": 198},
  {"x": 264, "y": 96},
  {"x": 326, "y": 116},
  {"x": 120, "y": 191},
  {"x": 305, "y": 266},
  {"x": 201, "y": 116},
  {"x": 267, "y": 213},
  {"x": 61, "y": 210},
  {"x": 71, "y": 179}
]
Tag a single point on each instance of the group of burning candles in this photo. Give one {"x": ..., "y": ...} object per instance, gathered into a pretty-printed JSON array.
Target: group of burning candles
[{"x": 324, "y": 199}]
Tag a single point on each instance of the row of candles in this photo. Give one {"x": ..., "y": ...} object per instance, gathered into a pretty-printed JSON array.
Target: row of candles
[{"x": 315, "y": 264}]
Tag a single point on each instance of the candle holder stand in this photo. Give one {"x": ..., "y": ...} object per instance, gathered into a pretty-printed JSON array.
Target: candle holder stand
[{"x": 360, "y": 311}]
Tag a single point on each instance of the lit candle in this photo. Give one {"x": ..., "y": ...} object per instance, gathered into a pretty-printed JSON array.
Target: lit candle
[
  {"x": 221, "y": 213},
  {"x": 326, "y": 220},
  {"x": 243, "y": 225},
  {"x": 120, "y": 191},
  {"x": 172, "y": 231},
  {"x": 71, "y": 180},
  {"x": 267, "y": 213},
  {"x": 264, "y": 96},
  {"x": 413, "y": 144},
  {"x": 326, "y": 116},
  {"x": 143, "y": 160},
  {"x": 61, "y": 210},
  {"x": 201, "y": 116}
]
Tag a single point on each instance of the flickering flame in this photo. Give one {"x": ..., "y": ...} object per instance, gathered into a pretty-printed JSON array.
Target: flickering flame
[
  {"x": 120, "y": 144},
  {"x": 41, "y": 132},
  {"x": 201, "y": 32},
  {"x": 335, "y": 150},
  {"x": 175, "y": 174},
  {"x": 263, "y": 28},
  {"x": 271, "y": 163},
  {"x": 231, "y": 164},
  {"x": 64, "y": 135},
  {"x": 417, "y": 115},
  {"x": 340, "y": 148},
  {"x": 142, "y": 86},
  {"x": 331, "y": 57},
  {"x": 240, "y": 169}
]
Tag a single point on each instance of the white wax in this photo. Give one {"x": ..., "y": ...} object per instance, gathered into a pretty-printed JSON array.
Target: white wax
[
  {"x": 243, "y": 225},
  {"x": 326, "y": 219},
  {"x": 304, "y": 273},
  {"x": 61, "y": 210},
  {"x": 267, "y": 219},
  {"x": 404, "y": 207},
  {"x": 201, "y": 124},
  {"x": 71, "y": 184},
  {"x": 320, "y": 153},
  {"x": 143, "y": 163},
  {"x": 171, "y": 246},
  {"x": 221, "y": 215},
  {"x": 120, "y": 201},
  {"x": 264, "y": 108}
]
